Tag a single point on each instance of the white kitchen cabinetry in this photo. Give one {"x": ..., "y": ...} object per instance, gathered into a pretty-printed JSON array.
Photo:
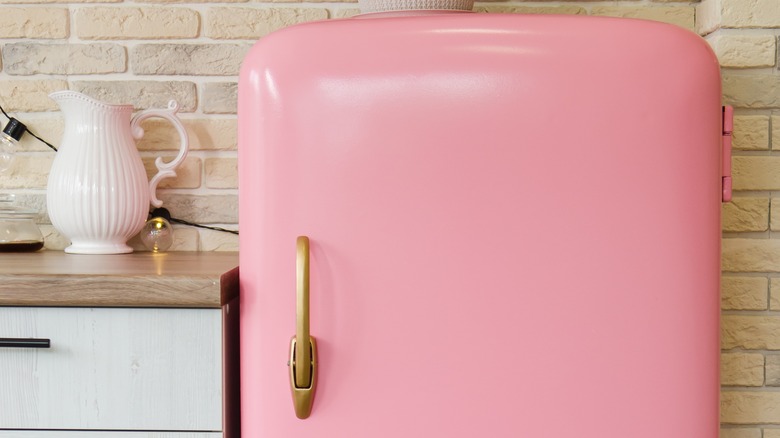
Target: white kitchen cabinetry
[
  {"x": 122, "y": 367},
  {"x": 112, "y": 369}
]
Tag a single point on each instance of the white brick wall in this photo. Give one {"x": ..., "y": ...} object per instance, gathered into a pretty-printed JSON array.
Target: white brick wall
[
  {"x": 226, "y": 23},
  {"x": 29, "y": 95},
  {"x": 745, "y": 51},
  {"x": 34, "y": 23},
  {"x": 126, "y": 23},
  {"x": 23, "y": 59}
]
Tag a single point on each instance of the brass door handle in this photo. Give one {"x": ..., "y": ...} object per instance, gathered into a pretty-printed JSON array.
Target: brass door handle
[
  {"x": 302, "y": 355},
  {"x": 303, "y": 347}
]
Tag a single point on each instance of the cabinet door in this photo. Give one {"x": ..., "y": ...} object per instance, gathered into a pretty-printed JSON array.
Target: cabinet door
[{"x": 125, "y": 369}]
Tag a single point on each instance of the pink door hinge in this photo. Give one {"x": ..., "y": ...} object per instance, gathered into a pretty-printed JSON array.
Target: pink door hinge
[{"x": 728, "y": 127}]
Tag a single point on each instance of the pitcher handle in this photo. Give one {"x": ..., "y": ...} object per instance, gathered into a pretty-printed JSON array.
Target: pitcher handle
[{"x": 164, "y": 170}]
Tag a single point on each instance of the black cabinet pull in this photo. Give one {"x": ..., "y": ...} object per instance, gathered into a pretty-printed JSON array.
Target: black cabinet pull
[{"x": 24, "y": 343}]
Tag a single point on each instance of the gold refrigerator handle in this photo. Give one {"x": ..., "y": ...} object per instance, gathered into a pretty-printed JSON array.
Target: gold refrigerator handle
[
  {"x": 302, "y": 355},
  {"x": 303, "y": 347}
]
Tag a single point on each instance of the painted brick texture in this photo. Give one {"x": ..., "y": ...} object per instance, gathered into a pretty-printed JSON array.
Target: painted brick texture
[
  {"x": 504, "y": 9},
  {"x": 220, "y": 97},
  {"x": 225, "y": 23},
  {"x": 221, "y": 173},
  {"x": 751, "y": 133},
  {"x": 148, "y": 23},
  {"x": 142, "y": 94},
  {"x": 30, "y": 95},
  {"x": 742, "y": 432},
  {"x": 750, "y": 14},
  {"x": 742, "y": 369},
  {"x": 63, "y": 59},
  {"x": 682, "y": 16},
  {"x": 746, "y": 214},
  {"x": 34, "y": 23},
  {"x": 744, "y": 293},
  {"x": 745, "y": 51},
  {"x": 204, "y": 135},
  {"x": 188, "y": 59},
  {"x": 751, "y": 90}
]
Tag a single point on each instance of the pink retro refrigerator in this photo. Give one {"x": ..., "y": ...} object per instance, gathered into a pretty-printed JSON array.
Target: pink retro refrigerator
[{"x": 471, "y": 225}]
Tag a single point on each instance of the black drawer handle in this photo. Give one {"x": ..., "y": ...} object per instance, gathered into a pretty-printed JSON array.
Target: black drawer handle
[{"x": 24, "y": 343}]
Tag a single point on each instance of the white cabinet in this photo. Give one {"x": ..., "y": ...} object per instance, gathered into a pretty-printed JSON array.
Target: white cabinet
[
  {"x": 141, "y": 349},
  {"x": 112, "y": 369}
]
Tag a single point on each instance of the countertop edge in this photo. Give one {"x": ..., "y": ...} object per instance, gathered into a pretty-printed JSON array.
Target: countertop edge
[
  {"x": 177, "y": 280},
  {"x": 110, "y": 291}
]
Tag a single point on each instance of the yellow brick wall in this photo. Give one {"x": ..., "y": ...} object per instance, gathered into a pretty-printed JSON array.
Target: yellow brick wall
[{"x": 744, "y": 34}]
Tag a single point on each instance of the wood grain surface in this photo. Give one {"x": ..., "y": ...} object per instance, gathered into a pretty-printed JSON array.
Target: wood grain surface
[{"x": 175, "y": 279}]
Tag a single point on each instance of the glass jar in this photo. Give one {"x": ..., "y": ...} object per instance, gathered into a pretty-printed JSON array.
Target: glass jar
[{"x": 18, "y": 230}]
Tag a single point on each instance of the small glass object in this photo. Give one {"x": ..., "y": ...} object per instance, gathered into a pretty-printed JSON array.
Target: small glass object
[
  {"x": 18, "y": 231},
  {"x": 157, "y": 233},
  {"x": 9, "y": 141}
]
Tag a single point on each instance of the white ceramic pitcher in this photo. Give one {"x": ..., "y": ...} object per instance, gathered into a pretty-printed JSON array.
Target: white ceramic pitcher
[{"x": 98, "y": 195}]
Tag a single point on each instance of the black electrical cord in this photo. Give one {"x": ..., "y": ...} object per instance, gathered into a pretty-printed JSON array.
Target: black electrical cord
[
  {"x": 30, "y": 132},
  {"x": 183, "y": 222},
  {"x": 165, "y": 214},
  {"x": 172, "y": 219}
]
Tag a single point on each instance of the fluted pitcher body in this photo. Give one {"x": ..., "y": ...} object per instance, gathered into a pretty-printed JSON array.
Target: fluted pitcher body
[{"x": 98, "y": 193}]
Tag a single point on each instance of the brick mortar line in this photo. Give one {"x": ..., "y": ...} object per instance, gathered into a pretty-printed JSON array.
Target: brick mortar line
[
  {"x": 773, "y": 426},
  {"x": 751, "y": 71},
  {"x": 754, "y": 235},
  {"x": 750, "y": 312},
  {"x": 755, "y": 112},
  {"x": 755, "y": 193},
  {"x": 749, "y": 31},
  {"x": 769, "y": 218},
  {"x": 740, "y": 273},
  {"x": 763, "y": 389},
  {"x": 743, "y": 351},
  {"x": 750, "y": 274},
  {"x": 754, "y": 153}
]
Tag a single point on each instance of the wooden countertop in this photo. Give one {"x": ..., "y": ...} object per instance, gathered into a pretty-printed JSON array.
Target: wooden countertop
[{"x": 174, "y": 279}]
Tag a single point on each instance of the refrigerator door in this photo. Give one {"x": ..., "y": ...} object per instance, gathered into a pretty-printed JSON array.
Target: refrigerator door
[{"x": 514, "y": 225}]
